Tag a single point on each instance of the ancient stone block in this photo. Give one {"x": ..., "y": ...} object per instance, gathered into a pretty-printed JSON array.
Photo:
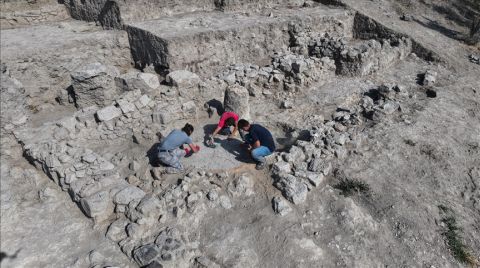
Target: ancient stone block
[
  {"x": 93, "y": 84},
  {"x": 145, "y": 254},
  {"x": 280, "y": 206},
  {"x": 183, "y": 78},
  {"x": 97, "y": 205},
  {"x": 135, "y": 80},
  {"x": 128, "y": 194},
  {"x": 108, "y": 113},
  {"x": 116, "y": 231},
  {"x": 237, "y": 100},
  {"x": 294, "y": 189}
]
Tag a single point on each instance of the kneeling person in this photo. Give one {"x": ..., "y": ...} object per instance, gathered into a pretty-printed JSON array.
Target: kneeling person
[
  {"x": 227, "y": 120},
  {"x": 260, "y": 140},
  {"x": 169, "y": 151}
]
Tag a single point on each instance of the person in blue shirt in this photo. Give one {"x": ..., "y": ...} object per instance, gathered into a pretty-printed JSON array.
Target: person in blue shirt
[
  {"x": 260, "y": 142},
  {"x": 169, "y": 151}
]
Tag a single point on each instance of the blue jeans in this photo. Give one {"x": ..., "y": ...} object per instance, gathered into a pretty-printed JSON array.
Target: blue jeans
[
  {"x": 259, "y": 153},
  {"x": 225, "y": 131}
]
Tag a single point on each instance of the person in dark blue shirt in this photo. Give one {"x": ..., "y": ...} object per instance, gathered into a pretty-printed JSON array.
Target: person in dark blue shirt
[{"x": 260, "y": 142}]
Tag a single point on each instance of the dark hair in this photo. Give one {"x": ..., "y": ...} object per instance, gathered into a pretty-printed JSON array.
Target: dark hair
[
  {"x": 188, "y": 129},
  {"x": 230, "y": 122},
  {"x": 243, "y": 123}
]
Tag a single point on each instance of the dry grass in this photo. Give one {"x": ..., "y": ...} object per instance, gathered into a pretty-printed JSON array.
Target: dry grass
[{"x": 454, "y": 242}]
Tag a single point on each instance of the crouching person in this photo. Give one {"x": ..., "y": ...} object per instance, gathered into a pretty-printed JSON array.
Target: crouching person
[
  {"x": 260, "y": 142},
  {"x": 170, "y": 151},
  {"x": 227, "y": 120}
]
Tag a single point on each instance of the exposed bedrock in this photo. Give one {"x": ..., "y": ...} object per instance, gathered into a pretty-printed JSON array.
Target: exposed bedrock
[
  {"x": 207, "y": 42},
  {"x": 114, "y": 13}
]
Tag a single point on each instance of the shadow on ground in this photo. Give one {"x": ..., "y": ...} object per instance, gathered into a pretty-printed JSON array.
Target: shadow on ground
[
  {"x": 152, "y": 155},
  {"x": 434, "y": 25},
  {"x": 232, "y": 146}
]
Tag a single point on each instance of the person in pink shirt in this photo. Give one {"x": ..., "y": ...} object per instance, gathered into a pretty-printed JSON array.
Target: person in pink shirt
[{"x": 227, "y": 120}]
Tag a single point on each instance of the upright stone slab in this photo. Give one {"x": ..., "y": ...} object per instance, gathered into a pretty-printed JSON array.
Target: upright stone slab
[
  {"x": 236, "y": 100},
  {"x": 94, "y": 84}
]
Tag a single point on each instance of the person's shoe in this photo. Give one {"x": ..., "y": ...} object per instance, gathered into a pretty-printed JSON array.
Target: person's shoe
[
  {"x": 172, "y": 170},
  {"x": 260, "y": 166}
]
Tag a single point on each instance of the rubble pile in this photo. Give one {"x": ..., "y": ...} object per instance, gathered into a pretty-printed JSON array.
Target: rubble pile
[
  {"x": 308, "y": 163},
  {"x": 354, "y": 57},
  {"x": 316, "y": 57}
]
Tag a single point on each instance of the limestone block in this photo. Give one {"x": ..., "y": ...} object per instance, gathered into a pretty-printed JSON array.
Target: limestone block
[
  {"x": 108, "y": 113},
  {"x": 237, "y": 100},
  {"x": 93, "y": 84},
  {"x": 315, "y": 178},
  {"x": 189, "y": 109},
  {"x": 150, "y": 205},
  {"x": 320, "y": 165},
  {"x": 128, "y": 194},
  {"x": 281, "y": 167},
  {"x": 135, "y": 80},
  {"x": 293, "y": 189},
  {"x": 295, "y": 155},
  {"x": 126, "y": 106},
  {"x": 97, "y": 205},
  {"x": 116, "y": 231},
  {"x": 146, "y": 254},
  {"x": 429, "y": 78},
  {"x": 182, "y": 78},
  {"x": 280, "y": 206}
]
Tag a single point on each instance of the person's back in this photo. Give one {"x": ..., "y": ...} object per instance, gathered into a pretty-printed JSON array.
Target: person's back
[
  {"x": 175, "y": 139},
  {"x": 169, "y": 151},
  {"x": 260, "y": 133}
]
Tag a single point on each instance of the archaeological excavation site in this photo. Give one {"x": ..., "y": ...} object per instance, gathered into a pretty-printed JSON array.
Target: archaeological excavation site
[{"x": 349, "y": 133}]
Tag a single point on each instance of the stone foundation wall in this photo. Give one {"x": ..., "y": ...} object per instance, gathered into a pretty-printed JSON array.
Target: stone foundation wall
[
  {"x": 212, "y": 45},
  {"x": 20, "y": 13}
]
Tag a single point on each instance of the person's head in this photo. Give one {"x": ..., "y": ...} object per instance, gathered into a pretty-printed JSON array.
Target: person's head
[
  {"x": 244, "y": 124},
  {"x": 188, "y": 129},
  {"x": 230, "y": 122}
]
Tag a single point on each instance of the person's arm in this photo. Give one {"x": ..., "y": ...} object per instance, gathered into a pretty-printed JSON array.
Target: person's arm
[
  {"x": 215, "y": 132},
  {"x": 234, "y": 132},
  {"x": 195, "y": 148},
  {"x": 255, "y": 140}
]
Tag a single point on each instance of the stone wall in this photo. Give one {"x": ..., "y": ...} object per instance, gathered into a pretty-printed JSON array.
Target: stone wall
[
  {"x": 206, "y": 46},
  {"x": 372, "y": 56},
  {"x": 21, "y": 13},
  {"x": 366, "y": 28}
]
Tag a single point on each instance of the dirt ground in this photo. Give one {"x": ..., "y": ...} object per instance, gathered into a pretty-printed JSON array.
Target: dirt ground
[{"x": 413, "y": 198}]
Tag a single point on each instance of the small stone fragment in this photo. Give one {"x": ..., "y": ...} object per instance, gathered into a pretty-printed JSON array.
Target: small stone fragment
[
  {"x": 145, "y": 254},
  {"x": 429, "y": 78},
  {"x": 280, "y": 206},
  {"x": 108, "y": 113},
  {"x": 225, "y": 202}
]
